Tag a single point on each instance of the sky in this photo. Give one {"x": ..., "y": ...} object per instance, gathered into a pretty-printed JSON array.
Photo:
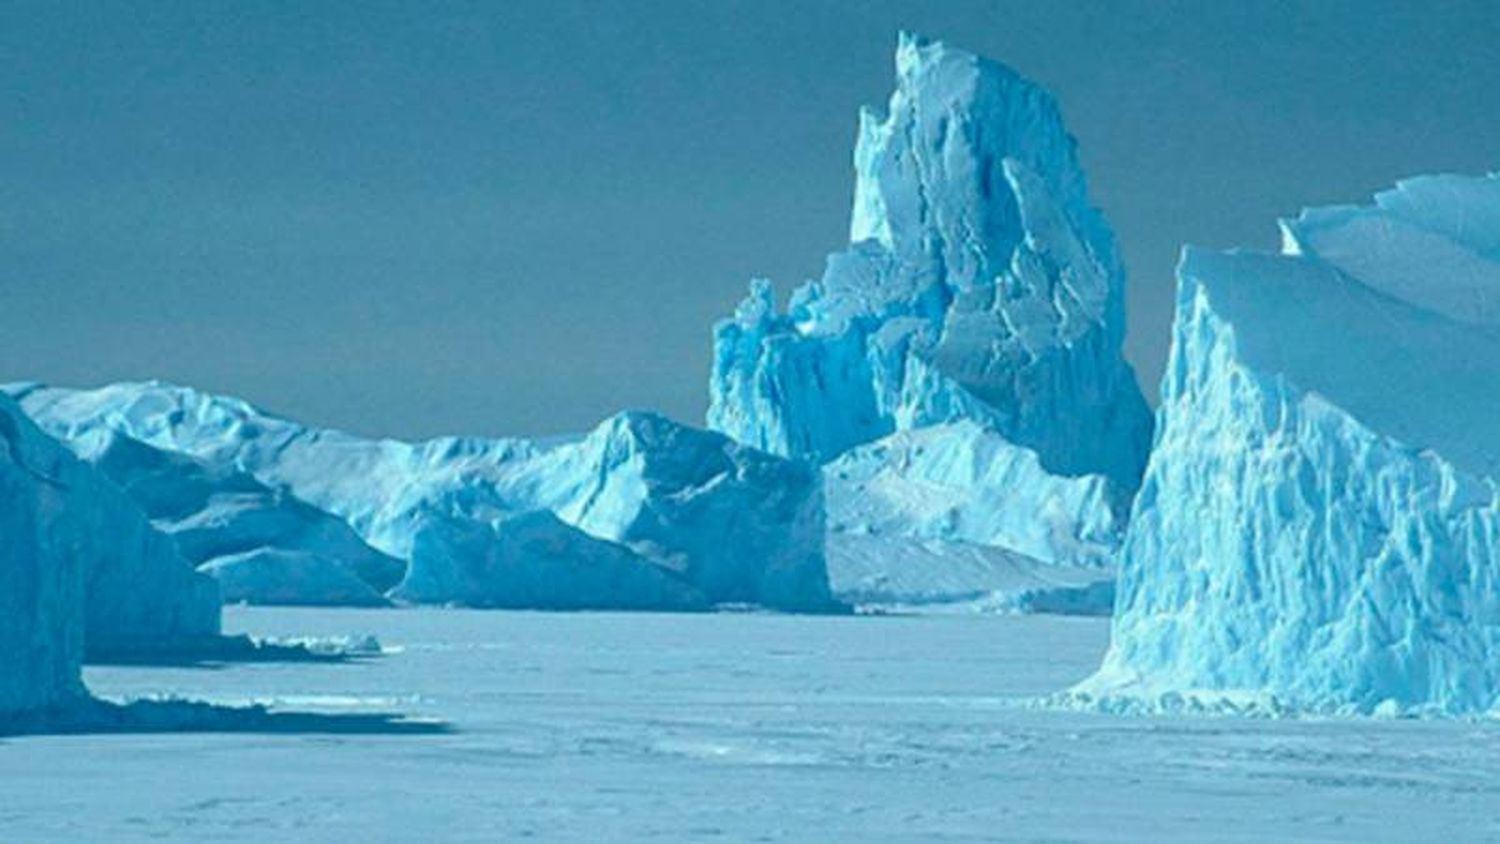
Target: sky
[{"x": 411, "y": 219}]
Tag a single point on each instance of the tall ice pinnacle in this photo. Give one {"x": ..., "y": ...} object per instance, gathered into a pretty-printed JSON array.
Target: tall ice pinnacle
[{"x": 979, "y": 285}]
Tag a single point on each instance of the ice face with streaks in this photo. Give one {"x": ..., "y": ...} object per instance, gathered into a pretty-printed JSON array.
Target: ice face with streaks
[
  {"x": 41, "y": 570},
  {"x": 82, "y": 573},
  {"x": 1319, "y": 526},
  {"x": 980, "y": 285},
  {"x": 961, "y": 482}
]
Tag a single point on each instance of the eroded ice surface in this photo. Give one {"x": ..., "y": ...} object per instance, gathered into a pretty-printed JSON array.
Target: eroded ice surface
[
  {"x": 980, "y": 284},
  {"x": 958, "y": 366},
  {"x": 1319, "y": 527}
]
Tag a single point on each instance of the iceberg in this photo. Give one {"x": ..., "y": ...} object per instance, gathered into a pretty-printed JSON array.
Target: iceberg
[
  {"x": 262, "y": 545},
  {"x": 1319, "y": 525},
  {"x": 41, "y": 571},
  {"x": 1444, "y": 227},
  {"x": 278, "y": 576},
  {"x": 980, "y": 285},
  {"x": 138, "y": 593},
  {"x": 741, "y": 525},
  {"x": 648, "y": 512},
  {"x": 534, "y": 560},
  {"x": 957, "y": 370}
]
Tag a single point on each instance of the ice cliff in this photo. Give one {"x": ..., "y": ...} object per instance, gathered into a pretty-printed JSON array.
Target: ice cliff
[
  {"x": 642, "y": 512},
  {"x": 81, "y": 574},
  {"x": 1319, "y": 526},
  {"x": 41, "y": 570},
  {"x": 980, "y": 285},
  {"x": 138, "y": 592}
]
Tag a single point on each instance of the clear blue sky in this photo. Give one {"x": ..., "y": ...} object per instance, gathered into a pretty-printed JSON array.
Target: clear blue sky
[{"x": 517, "y": 217}]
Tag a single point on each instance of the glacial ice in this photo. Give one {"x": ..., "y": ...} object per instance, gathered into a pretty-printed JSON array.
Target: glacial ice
[
  {"x": 1443, "y": 226},
  {"x": 714, "y": 522},
  {"x": 960, "y": 482},
  {"x": 979, "y": 285},
  {"x": 957, "y": 369},
  {"x": 273, "y": 576},
  {"x": 262, "y": 545},
  {"x": 899, "y": 574},
  {"x": 41, "y": 570},
  {"x": 82, "y": 575},
  {"x": 1319, "y": 526},
  {"x": 139, "y": 593},
  {"x": 533, "y": 560}
]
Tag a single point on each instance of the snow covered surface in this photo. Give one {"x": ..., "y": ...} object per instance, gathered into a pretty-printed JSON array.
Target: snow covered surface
[
  {"x": 643, "y": 727},
  {"x": 1319, "y": 527},
  {"x": 1432, "y": 241},
  {"x": 896, "y": 574},
  {"x": 960, "y": 482},
  {"x": 980, "y": 284},
  {"x": 713, "y": 521}
]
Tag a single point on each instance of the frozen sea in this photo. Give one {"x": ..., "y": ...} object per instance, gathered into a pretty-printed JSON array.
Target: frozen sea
[{"x": 637, "y": 727}]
